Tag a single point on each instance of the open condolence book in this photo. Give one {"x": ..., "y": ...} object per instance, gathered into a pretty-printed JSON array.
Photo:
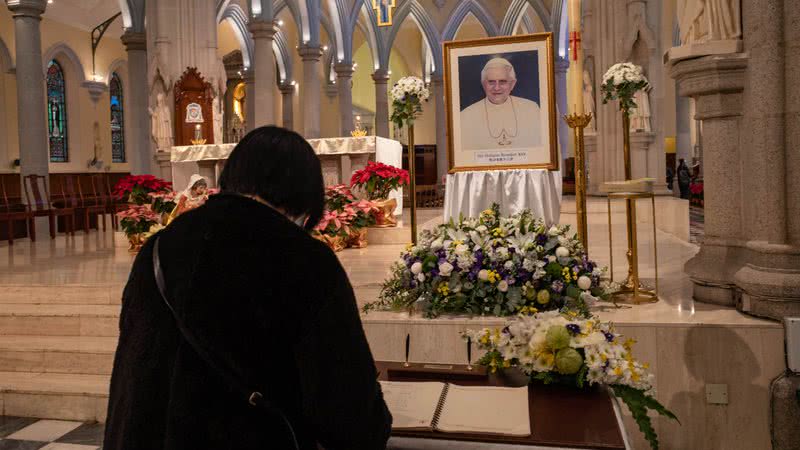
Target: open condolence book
[{"x": 458, "y": 409}]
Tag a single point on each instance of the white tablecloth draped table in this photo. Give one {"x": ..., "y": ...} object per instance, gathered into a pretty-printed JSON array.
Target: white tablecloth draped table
[
  {"x": 469, "y": 193},
  {"x": 207, "y": 160}
]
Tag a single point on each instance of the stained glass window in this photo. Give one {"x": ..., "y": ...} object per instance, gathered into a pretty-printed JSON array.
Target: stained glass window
[
  {"x": 117, "y": 120},
  {"x": 57, "y": 113}
]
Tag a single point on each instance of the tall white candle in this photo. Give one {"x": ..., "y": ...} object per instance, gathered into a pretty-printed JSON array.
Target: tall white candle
[{"x": 575, "y": 57}]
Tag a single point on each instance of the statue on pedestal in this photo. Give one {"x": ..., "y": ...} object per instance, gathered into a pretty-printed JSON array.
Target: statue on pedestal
[
  {"x": 161, "y": 124},
  {"x": 640, "y": 115},
  {"x": 588, "y": 100},
  {"x": 216, "y": 111},
  {"x": 709, "y": 20}
]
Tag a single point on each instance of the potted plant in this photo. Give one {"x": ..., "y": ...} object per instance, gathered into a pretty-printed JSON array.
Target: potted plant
[
  {"x": 363, "y": 214},
  {"x": 138, "y": 223},
  {"x": 378, "y": 180},
  {"x": 136, "y": 187},
  {"x": 333, "y": 229},
  {"x": 163, "y": 203}
]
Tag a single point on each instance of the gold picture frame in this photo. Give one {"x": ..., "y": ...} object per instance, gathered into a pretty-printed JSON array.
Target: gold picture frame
[{"x": 548, "y": 153}]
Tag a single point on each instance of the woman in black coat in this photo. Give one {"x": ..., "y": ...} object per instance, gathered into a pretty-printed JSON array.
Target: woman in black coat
[{"x": 268, "y": 306}]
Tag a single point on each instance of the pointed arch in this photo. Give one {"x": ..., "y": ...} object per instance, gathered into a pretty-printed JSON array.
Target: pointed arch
[
  {"x": 236, "y": 16},
  {"x": 327, "y": 59},
  {"x": 57, "y": 113},
  {"x": 283, "y": 57},
  {"x": 429, "y": 32},
  {"x": 458, "y": 16},
  {"x": 368, "y": 28},
  {"x": 132, "y": 14},
  {"x": 116, "y": 97},
  {"x": 516, "y": 12},
  {"x": 341, "y": 26},
  {"x": 278, "y": 7},
  {"x": 6, "y": 63},
  {"x": 64, "y": 53}
]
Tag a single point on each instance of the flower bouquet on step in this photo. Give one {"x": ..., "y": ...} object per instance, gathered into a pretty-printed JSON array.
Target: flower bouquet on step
[
  {"x": 363, "y": 216},
  {"x": 138, "y": 222},
  {"x": 378, "y": 180},
  {"x": 566, "y": 348},
  {"x": 493, "y": 265},
  {"x": 136, "y": 187},
  {"x": 407, "y": 97}
]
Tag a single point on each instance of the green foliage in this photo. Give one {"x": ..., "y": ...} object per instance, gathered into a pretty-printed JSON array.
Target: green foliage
[
  {"x": 622, "y": 92},
  {"x": 639, "y": 402}
]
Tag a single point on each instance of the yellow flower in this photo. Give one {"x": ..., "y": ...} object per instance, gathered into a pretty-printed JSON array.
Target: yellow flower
[
  {"x": 488, "y": 212},
  {"x": 409, "y": 247},
  {"x": 618, "y": 371},
  {"x": 494, "y": 277},
  {"x": 444, "y": 289},
  {"x": 498, "y": 232}
]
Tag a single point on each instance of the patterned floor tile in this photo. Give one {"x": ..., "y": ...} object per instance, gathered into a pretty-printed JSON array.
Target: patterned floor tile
[
  {"x": 12, "y": 444},
  {"x": 86, "y": 434},
  {"x": 63, "y": 446},
  {"x": 11, "y": 424},
  {"x": 45, "y": 430}
]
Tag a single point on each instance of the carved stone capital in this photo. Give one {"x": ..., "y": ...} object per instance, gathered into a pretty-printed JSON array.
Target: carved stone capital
[
  {"x": 716, "y": 82},
  {"x": 134, "y": 40},
  {"x": 95, "y": 88},
  {"x": 310, "y": 52},
  {"x": 261, "y": 29},
  {"x": 344, "y": 70},
  {"x": 380, "y": 76},
  {"x": 27, "y": 8}
]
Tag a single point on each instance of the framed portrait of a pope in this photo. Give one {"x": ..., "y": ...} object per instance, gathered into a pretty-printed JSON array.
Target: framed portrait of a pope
[{"x": 501, "y": 109}]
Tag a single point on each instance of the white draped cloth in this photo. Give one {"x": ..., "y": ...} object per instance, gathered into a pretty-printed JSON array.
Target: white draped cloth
[{"x": 539, "y": 190}]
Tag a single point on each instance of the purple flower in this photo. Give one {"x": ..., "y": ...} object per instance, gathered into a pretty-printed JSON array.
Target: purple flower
[
  {"x": 541, "y": 239},
  {"x": 609, "y": 336},
  {"x": 557, "y": 286},
  {"x": 573, "y": 328}
]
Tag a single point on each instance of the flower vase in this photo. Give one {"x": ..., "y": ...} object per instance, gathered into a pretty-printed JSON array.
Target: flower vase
[
  {"x": 384, "y": 217},
  {"x": 335, "y": 243},
  {"x": 357, "y": 238},
  {"x": 136, "y": 242}
]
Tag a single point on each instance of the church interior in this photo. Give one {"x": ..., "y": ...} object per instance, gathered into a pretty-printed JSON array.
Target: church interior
[{"x": 675, "y": 170}]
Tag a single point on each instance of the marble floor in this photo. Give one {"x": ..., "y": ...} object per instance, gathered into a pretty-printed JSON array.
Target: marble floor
[{"x": 22, "y": 433}]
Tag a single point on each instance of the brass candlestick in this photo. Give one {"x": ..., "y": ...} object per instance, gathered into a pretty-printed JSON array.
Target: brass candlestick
[
  {"x": 412, "y": 169},
  {"x": 578, "y": 122}
]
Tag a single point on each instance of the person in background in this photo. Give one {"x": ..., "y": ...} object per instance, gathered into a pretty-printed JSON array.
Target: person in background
[
  {"x": 251, "y": 299},
  {"x": 684, "y": 178},
  {"x": 670, "y": 177}
]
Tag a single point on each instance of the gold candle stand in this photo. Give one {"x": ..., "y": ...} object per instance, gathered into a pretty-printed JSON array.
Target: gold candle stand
[
  {"x": 632, "y": 290},
  {"x": 578, "y": 122}
]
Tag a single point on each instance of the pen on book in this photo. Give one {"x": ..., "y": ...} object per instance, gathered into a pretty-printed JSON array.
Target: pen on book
[{"x": 408, "y": 346}]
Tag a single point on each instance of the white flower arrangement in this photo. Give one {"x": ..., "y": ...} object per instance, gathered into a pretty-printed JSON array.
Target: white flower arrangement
[
  {"x": 494, "y": 265},
  {"x": 621, "y": 82},
  {"x": 554, "y": 347},
  {"x": 407, "y": 97}
]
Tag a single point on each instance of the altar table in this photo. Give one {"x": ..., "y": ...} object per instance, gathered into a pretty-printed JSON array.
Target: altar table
[
  {"x": 469, "y": 193},
  {"x": 561, "y": 417},
  {"x": 340, "y": 157}
]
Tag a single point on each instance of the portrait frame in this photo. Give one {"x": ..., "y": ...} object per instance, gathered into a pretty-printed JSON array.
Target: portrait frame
[{"x": 543, "y": 154}]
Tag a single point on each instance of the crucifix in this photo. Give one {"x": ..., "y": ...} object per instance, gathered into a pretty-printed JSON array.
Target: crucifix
[{"x": 384, "y": 8}]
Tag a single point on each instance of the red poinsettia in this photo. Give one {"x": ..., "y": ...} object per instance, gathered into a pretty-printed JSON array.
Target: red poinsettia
[
  {"x": 136, "y": 187},
  {"x": 378, "y": 179}
]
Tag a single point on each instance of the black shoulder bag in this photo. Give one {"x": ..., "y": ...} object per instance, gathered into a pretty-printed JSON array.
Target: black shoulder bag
[{"x": 254, "y": 398}]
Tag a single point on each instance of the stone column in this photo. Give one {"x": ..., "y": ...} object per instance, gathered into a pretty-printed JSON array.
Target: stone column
[
  {"x": 716, "y": 83},
  {"x": 381, "y": 78},
  {"x": 34, "y": 152},
  {"x": 564, "y": 133},
  {"x": 311, "y": 90},
  {"x": 138, "y": 118},
  {"x": 287, "y": 105},
  {"x": 249, "y": 100},
  {"x": 263, "y": 68},
  {"x": 344, "y": 83},
  {"x": 442, "y": 157}
]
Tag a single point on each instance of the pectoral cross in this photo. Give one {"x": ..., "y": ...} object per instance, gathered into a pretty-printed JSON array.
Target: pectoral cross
[
  {"x": 504, "y": 140},
  {"x": 384, "y": 8}
]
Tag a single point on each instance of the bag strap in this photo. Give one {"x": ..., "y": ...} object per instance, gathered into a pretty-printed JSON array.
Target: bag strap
[{"x": 254, "y": 397}]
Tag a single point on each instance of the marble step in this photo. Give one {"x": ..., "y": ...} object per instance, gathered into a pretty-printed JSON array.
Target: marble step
[
  {"x": 94, "y": 294},
  {"x": 59, "y": 320},
  {"x": 58, "y": 354},
  {"x": 54, "y": 396}
]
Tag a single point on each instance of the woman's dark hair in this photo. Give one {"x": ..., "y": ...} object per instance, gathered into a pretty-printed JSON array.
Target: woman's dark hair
[{"x": 280, "y": 167}]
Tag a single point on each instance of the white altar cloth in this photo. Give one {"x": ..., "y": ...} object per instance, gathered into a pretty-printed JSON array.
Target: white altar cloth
[
  {"x": 469, "y": 193},
  {"x": 207, "y": 159}
]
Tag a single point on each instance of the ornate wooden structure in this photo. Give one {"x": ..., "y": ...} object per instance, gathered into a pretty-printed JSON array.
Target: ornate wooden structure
[{"x": 193, "y": 100}]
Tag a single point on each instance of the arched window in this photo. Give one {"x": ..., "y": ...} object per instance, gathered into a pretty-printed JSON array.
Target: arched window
[
  {"x": 117, "y": 120},
  {"x": 57, "y": 112}
]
